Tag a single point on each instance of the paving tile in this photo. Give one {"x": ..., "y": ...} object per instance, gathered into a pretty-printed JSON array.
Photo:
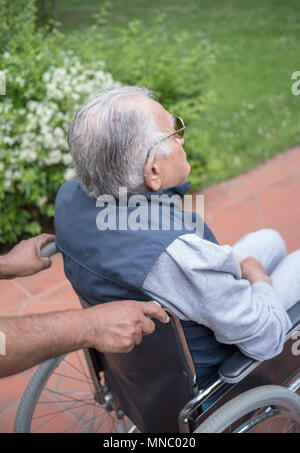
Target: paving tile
[
  {"x": 52, "y": 276},
  {"x": 280, "y": 203},
  {"x": 280, "y": 200},
  {"x": 62, "y": 292},
  {"x": 240, "y": 216},
  {"x": 274, "y": 169},
  {"x": 228, "y": 238},
  {"x": 12, "y": 388},
  {"x": 291, "y": 237},
  {"x": 12, "y": 311},
  {"x": 45, "y": 307},
  {"x": 54, "y": 420},
  {"x": 11, "y": 295},
  {"x": 7, "y": 418}
]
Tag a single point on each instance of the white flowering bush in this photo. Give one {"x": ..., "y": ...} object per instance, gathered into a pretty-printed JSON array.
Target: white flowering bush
[
  {"x": 49, "y": 74},
  {"x": 44, "y": 88}
]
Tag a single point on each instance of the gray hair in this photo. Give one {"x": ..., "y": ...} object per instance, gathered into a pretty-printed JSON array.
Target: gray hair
[{"x": 109, "y": 139}]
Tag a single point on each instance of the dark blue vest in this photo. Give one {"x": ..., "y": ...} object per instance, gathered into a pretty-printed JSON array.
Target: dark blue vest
[{"x": 109, "y": 265}]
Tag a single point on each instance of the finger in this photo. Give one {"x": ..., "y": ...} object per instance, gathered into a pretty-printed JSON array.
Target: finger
[
  {"x": 138, "y": 338},
  {"x": 148, "y": 326},
  {"x": 155, "y": 311},
  {"x": 45, "y": 238},
  {"x": 46, "y": 262},
  {"x": 123, "y": 348},
  {"x": 41, "y": 240}
]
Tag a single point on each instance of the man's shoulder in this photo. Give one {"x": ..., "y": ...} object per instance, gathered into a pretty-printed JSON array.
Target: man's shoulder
[
  {"x": 66, "y": 189},
  {"x": 69, "y": 185},
  {"x": 196, "y": 241},
  {"x": 193, "y": 248}
]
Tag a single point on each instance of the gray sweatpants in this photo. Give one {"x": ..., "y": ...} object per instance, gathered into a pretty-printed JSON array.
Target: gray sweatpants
[{"x": 268, "y": 246}]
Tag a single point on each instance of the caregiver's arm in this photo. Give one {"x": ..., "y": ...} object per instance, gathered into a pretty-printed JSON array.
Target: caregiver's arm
[{"x": 112, "y": 327}]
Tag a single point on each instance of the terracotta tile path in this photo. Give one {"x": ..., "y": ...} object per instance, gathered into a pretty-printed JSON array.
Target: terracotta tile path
[{"x": 268, "y": 196}]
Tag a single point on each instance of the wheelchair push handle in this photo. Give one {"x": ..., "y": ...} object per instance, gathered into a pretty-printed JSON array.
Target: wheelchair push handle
[{"x": 48, "y": 250}]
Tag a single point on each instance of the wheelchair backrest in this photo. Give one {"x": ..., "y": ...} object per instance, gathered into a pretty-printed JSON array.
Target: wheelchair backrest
[{"x": 153, "y": 382}]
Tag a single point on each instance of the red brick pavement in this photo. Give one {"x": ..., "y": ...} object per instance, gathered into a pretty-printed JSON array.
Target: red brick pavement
[{"x": 267, "y": 197}]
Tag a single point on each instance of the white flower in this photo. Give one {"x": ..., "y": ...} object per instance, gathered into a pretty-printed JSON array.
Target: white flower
[
  {"x": 75, "y": 96},
  {"x": 45, "y": 122},
  {"x": 59, "y": 132},
  {"x": 31, "y": 157},
  {"x": 48, "y": 141},
  {"x": 64, "y": 145},
  {"x": 42, "y": 201},
  {"x": 70, "y": 174},
  {"x": 67, "y": 159},
  {"x": 8, "y": 174},
  {"x": 8, "y": 140},
  {"x": 16, "y": 175},
  {"x": 20, "y": 81},
  {"x": 54, "y": 157}
]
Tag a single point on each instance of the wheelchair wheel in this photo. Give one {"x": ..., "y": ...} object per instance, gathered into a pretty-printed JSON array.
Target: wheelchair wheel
[
  {"x": 62, "y": 397},
  {"x": 265, "y": 409}
]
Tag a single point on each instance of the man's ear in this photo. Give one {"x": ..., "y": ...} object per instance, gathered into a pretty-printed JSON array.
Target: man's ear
[{"x": 153, "y": 173}]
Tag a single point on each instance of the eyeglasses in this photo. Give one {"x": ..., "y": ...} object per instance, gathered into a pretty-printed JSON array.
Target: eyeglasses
[{"x": 179, "y": 133}]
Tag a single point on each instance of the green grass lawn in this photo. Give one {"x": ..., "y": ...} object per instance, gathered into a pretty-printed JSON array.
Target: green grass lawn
[{"x": 252, "y": 114}]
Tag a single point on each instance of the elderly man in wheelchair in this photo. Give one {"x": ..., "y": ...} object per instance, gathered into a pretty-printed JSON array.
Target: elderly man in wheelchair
[{"x": 225, "y": 361}]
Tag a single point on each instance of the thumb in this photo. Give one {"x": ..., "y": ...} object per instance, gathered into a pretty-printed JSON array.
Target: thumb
[
  {"x": 46, "y": 262},
  {"x": 154, "y": 310}
]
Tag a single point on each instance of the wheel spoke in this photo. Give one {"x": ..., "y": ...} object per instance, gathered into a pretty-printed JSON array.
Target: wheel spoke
[
  {"x": 58, "y": 412},
  {"x": 71, "y": 377},
  {"x": 61, "y": 397},
  {"x": 74, "y": 399}
]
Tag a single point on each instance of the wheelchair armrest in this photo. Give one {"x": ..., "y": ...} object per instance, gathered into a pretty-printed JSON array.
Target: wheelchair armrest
[{"x": 238, "y": 366}]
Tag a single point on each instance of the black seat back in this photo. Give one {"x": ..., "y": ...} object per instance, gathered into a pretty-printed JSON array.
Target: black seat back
[{"x": 154, "y": 381}]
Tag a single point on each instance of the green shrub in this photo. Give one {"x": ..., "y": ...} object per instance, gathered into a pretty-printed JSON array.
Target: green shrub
[
  {"x": 177, "y": 66},
  {"x": 45, "y": 85},
  {"x": 48, "y": 75}
]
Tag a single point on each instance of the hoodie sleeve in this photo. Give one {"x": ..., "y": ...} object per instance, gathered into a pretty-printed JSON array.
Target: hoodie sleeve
[{"x": 201, "y": 281}]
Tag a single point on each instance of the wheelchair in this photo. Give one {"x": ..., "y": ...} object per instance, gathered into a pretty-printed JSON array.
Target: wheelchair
[{"x": 153, "y": 389}]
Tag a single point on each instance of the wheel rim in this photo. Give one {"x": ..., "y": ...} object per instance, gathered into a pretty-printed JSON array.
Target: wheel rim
[
  {"x": 269, "y": 408},
  {"x": 269, "y": 420}
]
